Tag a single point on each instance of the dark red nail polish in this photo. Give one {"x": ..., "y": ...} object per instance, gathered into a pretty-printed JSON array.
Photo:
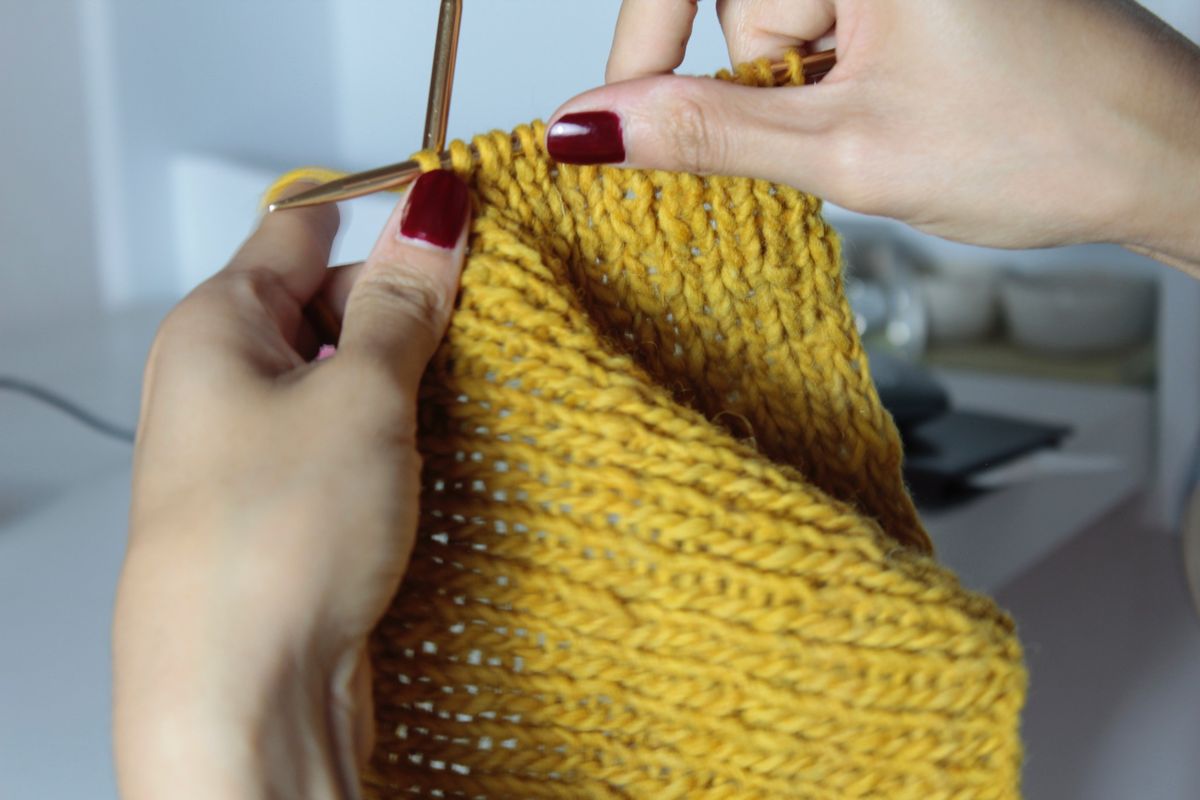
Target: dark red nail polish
[
  {"x": 437, "y": 209},
  {"x": 591, "y": 137}
]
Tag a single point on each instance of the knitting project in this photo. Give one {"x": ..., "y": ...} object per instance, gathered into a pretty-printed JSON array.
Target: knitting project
[{"x": 665, "y": 550}]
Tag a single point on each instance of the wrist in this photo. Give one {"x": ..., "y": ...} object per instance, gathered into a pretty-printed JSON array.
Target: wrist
[
  {"x": 219, "y": 706},
  {"x": 1159, "y": 166},
  {"x": 287, "y": 746},
  {"x": 1163, "y": 215},
  {"x": 1167, "y": 225}
]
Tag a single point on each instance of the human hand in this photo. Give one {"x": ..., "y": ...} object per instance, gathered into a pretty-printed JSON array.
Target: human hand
[
  {"x": 275, "y": 506},
  {"x": 1017, "y": 124}
]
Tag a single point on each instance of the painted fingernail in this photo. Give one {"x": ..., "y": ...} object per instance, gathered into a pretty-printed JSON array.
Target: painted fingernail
[
  {"x": 590, "y": 137},
  {"x": 437, "y": 209}
]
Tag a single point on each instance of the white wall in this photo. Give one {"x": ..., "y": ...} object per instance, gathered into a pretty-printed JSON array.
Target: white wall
[
  {"x": 1184, "y": 15},
  {"x": 248, "y": 81},
  {"x": 518, "y": 60},
  {"x": 48, "y": 266}
]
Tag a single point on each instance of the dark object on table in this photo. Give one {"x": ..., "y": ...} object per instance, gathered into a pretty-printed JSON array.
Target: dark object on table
[
  {"x": 941, "y": 454},
  {"x": 943, "y": 448}
]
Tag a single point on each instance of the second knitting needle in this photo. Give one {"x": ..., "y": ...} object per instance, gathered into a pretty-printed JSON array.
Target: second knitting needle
[{"x": 441, "y": 78}]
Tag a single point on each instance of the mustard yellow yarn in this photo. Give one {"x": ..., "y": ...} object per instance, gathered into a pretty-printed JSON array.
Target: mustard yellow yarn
[{"x": 664, "y": 549}]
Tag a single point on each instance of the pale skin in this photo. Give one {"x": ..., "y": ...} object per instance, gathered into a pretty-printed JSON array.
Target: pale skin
[
  {"x": 274, "y": 501},
  {"x": 274, "y": 508}
]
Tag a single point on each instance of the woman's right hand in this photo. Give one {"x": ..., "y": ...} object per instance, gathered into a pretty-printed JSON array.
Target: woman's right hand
[{"x": 1018, "y": 124}]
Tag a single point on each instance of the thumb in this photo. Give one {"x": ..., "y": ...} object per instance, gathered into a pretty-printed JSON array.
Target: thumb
[
  {"x": 702, "y": 126},
  {"x": 398, "y": 309}
]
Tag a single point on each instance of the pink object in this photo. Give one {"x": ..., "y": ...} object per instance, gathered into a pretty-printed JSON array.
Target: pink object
[{"x": 326, "y": 351}]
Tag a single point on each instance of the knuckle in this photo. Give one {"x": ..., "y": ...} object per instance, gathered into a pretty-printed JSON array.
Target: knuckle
[
  {"x": 694, "y": 133},
  {"x": 851, "y": 157},
  {"x": 169, "y": 329},
  {"x": 255, "y": 285},
  {"x": 161, "y": 342},
  {"x": 187, "y": 316}
]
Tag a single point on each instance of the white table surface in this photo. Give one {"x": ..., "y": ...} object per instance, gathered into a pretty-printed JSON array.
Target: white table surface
[
  {"x": 58, "y": 567},
  {"x": 999, "y": 535},
  {"x": 64, "y": 498}
]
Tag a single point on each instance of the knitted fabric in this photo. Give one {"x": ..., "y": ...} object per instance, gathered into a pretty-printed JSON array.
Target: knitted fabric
[{"x": 664, "y": 547}]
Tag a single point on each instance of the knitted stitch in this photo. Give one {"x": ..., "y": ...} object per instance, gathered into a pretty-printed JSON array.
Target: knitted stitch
[{"x": 664, "y": 547}]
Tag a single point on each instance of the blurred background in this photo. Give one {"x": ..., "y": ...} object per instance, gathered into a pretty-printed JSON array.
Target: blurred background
[{"x": 1050, "y": 400}]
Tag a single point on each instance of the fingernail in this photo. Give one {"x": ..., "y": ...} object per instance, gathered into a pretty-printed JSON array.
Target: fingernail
[
  {"x": 437, "y": 209},
  {"x": 590, "y": 137}
]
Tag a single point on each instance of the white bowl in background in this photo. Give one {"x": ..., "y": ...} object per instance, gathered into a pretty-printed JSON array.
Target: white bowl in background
[
  {"x": 961, "y": 301},
  {"x": 1071, "y": 311}
]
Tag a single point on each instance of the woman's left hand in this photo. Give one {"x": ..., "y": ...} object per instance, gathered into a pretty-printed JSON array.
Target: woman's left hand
[{"x": 275, "y": 506}]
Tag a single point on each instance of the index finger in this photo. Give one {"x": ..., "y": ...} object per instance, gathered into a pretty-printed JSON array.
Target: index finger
[
  {"x": 651, "y": 38},
  {"x": 769, "y": 28}
]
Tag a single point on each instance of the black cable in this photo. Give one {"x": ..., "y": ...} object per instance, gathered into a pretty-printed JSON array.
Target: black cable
[{"x": 79, "y": 413}]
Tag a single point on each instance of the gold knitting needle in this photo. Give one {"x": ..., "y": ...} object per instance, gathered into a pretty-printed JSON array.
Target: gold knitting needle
[
  {"x": 441, "y": 77},
  {"x": 392, "y": 176}
]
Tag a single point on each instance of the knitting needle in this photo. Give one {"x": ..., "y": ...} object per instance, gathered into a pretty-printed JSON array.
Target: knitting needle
[
  {"x": 441, "y": 77},
  {"x": 437, "y": 115},
  {"x": 392, "y": 176}
]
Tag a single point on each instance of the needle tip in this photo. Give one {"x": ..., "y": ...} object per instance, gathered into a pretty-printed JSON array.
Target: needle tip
[{"x": 302, "y": 199}]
